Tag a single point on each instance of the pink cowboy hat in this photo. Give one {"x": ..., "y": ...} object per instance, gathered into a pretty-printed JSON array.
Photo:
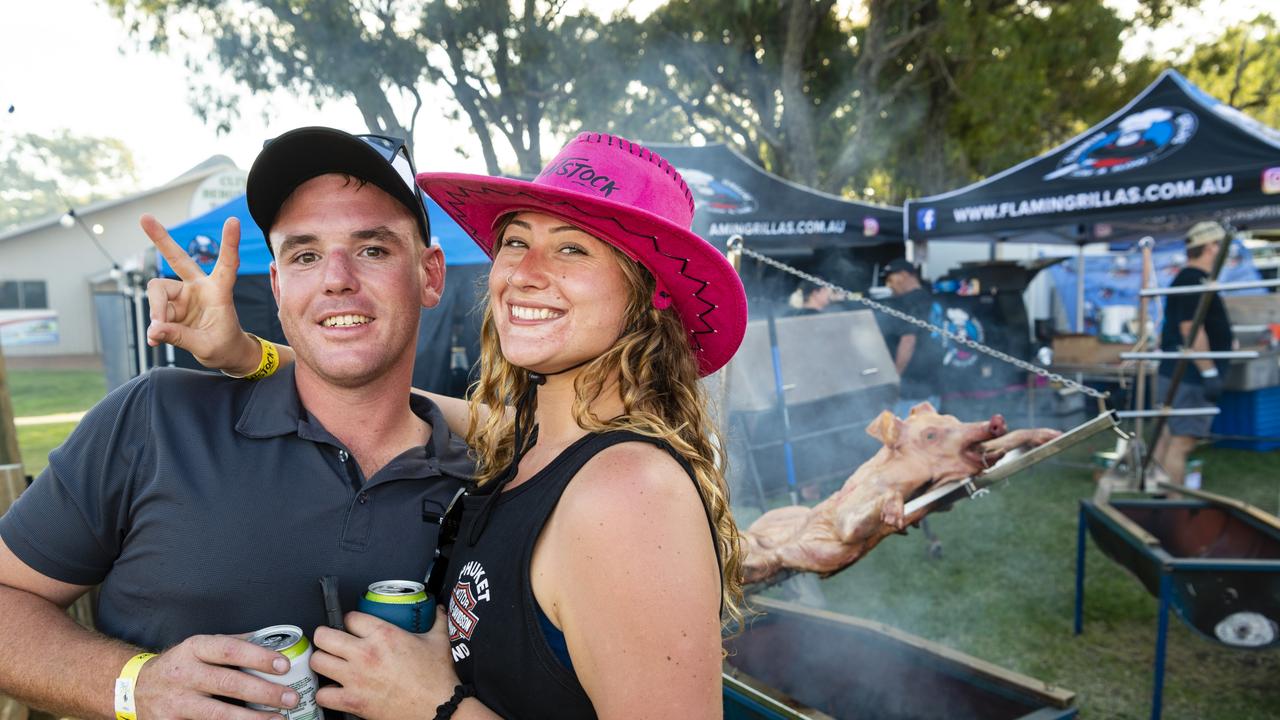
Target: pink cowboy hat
[{"x": 633, "y": 199}]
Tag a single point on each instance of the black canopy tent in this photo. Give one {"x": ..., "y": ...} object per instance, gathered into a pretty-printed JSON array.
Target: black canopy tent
[
  {"x": 841, "y": 240},
  {"x": 1173, "y": 153},
  {"x": 1172, "y": 156}
]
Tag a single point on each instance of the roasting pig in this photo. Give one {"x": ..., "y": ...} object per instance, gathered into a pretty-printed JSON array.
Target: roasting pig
[{"x": 923, "y": 450}]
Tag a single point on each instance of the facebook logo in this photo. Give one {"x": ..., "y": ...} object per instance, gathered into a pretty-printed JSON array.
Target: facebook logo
[{"x": 927, "y": 218}]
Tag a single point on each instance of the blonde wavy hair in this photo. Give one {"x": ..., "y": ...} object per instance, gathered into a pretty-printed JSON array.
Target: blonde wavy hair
[{"x": 662, "y": 397}]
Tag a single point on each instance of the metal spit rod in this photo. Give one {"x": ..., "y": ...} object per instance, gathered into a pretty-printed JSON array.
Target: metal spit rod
[
  {"x": 1169, "y": 412},
  {"x": 976, "y": 486},
  {"x": 1208, "y": 287},
  {"x": 1192, "y": 355}
]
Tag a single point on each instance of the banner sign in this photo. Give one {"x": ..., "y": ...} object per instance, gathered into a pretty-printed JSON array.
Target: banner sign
[
  {"x": 1172, "y": 149},
  {"x": 28, "y": 327}
]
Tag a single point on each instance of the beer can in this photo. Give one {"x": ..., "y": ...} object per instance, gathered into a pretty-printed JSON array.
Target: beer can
[
  {"x": 289, "y": 641},
  {"x": 403, "y": 603}
]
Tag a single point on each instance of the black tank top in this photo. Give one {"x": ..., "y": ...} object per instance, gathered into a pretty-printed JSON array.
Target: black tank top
[{"x": 497, "y": 641}]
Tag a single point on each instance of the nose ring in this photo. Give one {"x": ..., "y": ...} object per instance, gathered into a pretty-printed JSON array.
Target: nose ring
[{"x": 509, "y": 280}]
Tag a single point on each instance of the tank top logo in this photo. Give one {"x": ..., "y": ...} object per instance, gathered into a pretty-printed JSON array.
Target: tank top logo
[{"x": 471, "y": 589}]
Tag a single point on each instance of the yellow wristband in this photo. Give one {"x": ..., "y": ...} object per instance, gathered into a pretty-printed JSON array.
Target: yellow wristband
[
  {"x": 270, "y": 360},
  {"x": 126, "y": 709}
]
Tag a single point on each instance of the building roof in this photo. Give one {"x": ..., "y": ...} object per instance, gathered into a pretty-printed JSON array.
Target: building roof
[{"x": 215, "y": 164}]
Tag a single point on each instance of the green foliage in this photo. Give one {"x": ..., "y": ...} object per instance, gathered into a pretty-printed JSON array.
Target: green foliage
[
  {"x": 1242, "y": 68},
  {"x": 906, "y": 97},
  {"x": 1005, "y": 82},
  {"x": 505, "y": 63},
  {"x": 931, "y": 94},
  {"x": 42, "y": 175},
  {"x": 320, "y": 49},
  {"x": 730, "y": 83},
  {"x": 511, "y": 65}
]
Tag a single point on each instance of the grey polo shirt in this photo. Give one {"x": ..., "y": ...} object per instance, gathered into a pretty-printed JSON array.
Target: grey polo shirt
[{"x": 204, "y": 504}]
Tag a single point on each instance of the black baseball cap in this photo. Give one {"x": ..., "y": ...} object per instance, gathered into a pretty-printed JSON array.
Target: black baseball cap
[
  {"x": 300, "y": 155},
  {"x": 899, "y": 265}
]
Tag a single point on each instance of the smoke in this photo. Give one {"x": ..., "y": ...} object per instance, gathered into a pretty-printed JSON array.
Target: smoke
[
  {"x": 896, "y": 583},
  {"x": 849, "y": 669}
]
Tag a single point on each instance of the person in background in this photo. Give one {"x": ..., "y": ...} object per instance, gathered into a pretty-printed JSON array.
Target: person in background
[
  {"x": 916, "y": 355},
  {"x": 1201, "y": 384},
  {"x": 813, "y": 299},
  {"x": 203, "y": 505}
]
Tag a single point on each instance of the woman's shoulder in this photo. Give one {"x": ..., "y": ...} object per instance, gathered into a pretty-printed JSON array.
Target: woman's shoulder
[{"x": 629, "y": 477}]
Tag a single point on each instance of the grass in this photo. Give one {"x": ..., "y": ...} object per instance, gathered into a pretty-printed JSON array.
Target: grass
[
  {"x": 46, "y": 392},
  {"x": 1004, "y": 590},
  {"x": 35, "y": 442}
]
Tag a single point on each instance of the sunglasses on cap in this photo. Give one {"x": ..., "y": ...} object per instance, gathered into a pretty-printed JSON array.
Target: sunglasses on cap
[{"x": 395, "y": 151}]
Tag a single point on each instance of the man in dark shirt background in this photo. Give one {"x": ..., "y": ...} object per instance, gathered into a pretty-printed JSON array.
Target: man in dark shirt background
[
  {"x": 1201, "y": 383},
  {"x": 916, "y": 355}
]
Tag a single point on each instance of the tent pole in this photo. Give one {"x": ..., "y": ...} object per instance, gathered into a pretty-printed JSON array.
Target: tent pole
[
  {"x": 139, "y": 324},
  {"x": 1080, "y": 289}
]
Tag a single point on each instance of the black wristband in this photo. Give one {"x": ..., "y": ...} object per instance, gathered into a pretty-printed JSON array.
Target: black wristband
[{"x": 450, "y": 706}]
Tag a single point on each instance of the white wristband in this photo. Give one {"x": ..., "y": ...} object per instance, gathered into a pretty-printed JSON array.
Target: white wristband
[{"x": 1210, "y": 373}]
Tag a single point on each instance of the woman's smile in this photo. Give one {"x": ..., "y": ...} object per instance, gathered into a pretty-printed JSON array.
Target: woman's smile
[{"x": 559, "y": 295}]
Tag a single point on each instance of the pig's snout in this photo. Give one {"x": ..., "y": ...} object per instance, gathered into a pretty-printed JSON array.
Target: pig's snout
[{"x": 997, "y": 427}]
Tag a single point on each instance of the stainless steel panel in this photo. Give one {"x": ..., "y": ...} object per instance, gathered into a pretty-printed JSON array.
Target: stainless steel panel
[{"x": 821, "y": 356}]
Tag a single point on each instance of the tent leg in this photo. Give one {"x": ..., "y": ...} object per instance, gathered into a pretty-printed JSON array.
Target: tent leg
[
  {"x": 1080, "y": 290},
  {"x": 1080, "y": 547},
  {"x": 1162, "y": 639}
]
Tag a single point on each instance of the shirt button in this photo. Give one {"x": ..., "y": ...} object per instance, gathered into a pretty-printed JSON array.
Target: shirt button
[
  {"x": 363, "y": 498},
  {"x": 342, "y": 456}
]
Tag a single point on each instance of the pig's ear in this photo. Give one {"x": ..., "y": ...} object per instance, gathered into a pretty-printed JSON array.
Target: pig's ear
[
  {"x": 924, "y": 407},
  {"x": 885, "y": 428}
]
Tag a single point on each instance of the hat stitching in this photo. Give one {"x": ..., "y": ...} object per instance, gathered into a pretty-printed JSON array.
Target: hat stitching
[
  {"x": 648, "y": 155},
  {"x": 458, "y": 197}
]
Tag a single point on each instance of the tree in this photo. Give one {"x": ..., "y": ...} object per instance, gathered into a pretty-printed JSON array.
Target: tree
[
  {"x": 320, "y": 49},
  {"x": 900, "y": 96},
  {"x": 927, "y": 92},
  {"x": 43, "y": 175},
  {"x": 504, "y": 62},
  {"x": 1242, "y": 68}
]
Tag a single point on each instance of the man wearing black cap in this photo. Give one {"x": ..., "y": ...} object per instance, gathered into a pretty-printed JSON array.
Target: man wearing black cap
[
  {"x": 1201, "y": 383},
  {"x": 916, "y": 356},
  {"x": 203, "y": 506}
]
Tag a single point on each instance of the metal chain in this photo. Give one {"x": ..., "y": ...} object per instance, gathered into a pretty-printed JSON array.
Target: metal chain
[{"x": 893, "y": 312}]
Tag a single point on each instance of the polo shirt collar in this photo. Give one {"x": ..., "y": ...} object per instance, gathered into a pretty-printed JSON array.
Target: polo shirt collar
[
  {"x": 450, "y": 451},
  {"x": 274, "y": 409}
]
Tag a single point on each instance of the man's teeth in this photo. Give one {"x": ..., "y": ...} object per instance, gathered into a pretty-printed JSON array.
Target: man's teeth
[
  {"x": 346, "y": 320},
  {"x": 528, "y": 313}
]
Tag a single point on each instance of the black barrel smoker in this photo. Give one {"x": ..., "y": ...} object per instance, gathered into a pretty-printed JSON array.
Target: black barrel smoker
[
  {"x": 795, "y": 662},
  {"x": 1213, "y": 560}
]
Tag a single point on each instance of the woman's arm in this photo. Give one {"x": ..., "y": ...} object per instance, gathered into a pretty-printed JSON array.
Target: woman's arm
[
  {"x": 626, "y": 568},
  {"x": 456, "y": 411}
]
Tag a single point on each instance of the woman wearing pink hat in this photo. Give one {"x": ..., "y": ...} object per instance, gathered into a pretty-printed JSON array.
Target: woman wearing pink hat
[{"x": 589, "y": 574}]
